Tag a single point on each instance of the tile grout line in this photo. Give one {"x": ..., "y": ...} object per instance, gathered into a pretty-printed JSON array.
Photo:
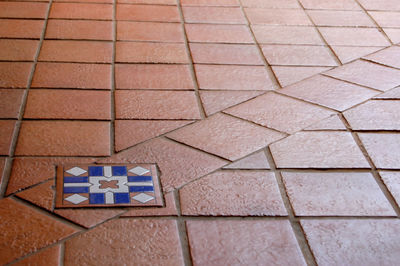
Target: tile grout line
[{"x": 113, "y": 85}]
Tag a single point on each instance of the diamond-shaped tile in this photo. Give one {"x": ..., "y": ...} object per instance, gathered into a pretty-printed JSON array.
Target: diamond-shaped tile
[
  {"x": 139, "y": 170},
  {"x": 143, "y": 198},
  {"x": 76, "y": 171},
  {"x": 76, "y": 199}
]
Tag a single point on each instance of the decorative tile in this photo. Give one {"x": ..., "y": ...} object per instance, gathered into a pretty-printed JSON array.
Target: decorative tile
[{"x": 108, "y": 186}]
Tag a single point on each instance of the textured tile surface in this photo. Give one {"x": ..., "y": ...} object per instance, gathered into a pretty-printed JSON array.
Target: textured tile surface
[
  {"x": 14, "y": 75},
  {"x": 149, "y": 31},
  {"x": 15, "y": 28},
  {"x": 256, "y": 160},
  {"x": 7, "y": 128},
  {"x": 50, "y": 256},
  {"x": 79, "y": 29},
  {"x": 218, "y": 33},
  {"x": 18, "y": 50},
  {"x": 392, "y": 182},
  {"x": 389, "y": 57}
]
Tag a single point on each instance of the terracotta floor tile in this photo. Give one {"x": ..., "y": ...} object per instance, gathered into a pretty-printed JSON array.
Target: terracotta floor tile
[
  {"x": 66, "y": 75},
  {"x": 154, "y": 2},
  {"x": 149, "y": 31},
  {"x": 81, "y": 11},
  {"x": 148, "y": 13},
  {"x": 279, "y": 112},
  {"x": 386, "y": 19},
  {"x": 288, "y": 75},
  {"x": 142, "y": 52},
  {"x": 226, "y": 136},
  {"x": 156, "y": 105},
  {"x": 7, "y": 128},
  {"x": 393, "y": 34},
  {"x": 375, "y": 115},
  {"x": 336, "y": 194},
  {"x": 377, "y": 146},
  {"x": 368, "y": 74},
  {"x": 41, "y": 195},
  {"x": 160, "y": 237},
  {"x": 131, "y": 132},
  {"x": 51, "y": 256},
  {"x": 89, "y": 218},
  {"x": 271, "y": 3},
  {"x": 10, "y": 103},
  {"x": 76, "y": 51},
  {"x": 256, "y": 160},
  {"x": 178, "y": 163},
  {"x": 14, "y": 75},
  {"x": 353, "y": 242},
  {"x": 23, "y": 10},
  {"x": 3, "y": 162},
  {"x": 392, "y": 182},
  {"x": 20, "y": 238},
  {"x": 225, "y": 77},
  {"x": 298, "y": 55},
  {"x": 269, "y": 34},
  {"x": 223, "y": 15},
  {"x": 79, "y": 29},
  {"x": 18, "y": 50},
  {"x": 390, "y": 94},
  {"x": 87, "y": 1},
  {"x": 236, "y": 54},
  {"x": 380, "y": 5},
  {"x": 68, "y": 104},
  {"x": 328, "y": 4},
  {"x": 210, "y": 3},
  {"x": 215, "y": 101},
  {"x": 218, "y": 33},
  {"x": 347, "y": 54},
  {"x": 233, "y": 193},
  {"x": 340, "y": 18},
  {"x": 30, "y": 171},
  {"x": 388, "y": 57},
  {"x": 318, "y": 150},
  {"x": 168, "y": 210},
  {"x": 137, "y": 76},
  {"x": 353, "y": 36},
  {"x": 332, "y": 93},
  {"x": 13, "y": 28},
  {"x": 286, "y": 17},
  {"x": 238, "y": 242},
  {"x": 69, "y": 138},
  {"x": 330, "y": 123}
]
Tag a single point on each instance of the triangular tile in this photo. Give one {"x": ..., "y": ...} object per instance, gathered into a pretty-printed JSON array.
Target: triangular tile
[
  {"x": 49, "y": 256},
  {"x": 288, "y": 75},
  {"x": 257, "y": 160},
  {"x": 350, "y": 53},
  {"x": 393, "y": 34},
  {"x": 215, "y": 101},
  {"x": 41, "y": 195},
  {"x": 390, "y": 95},
  {"x": 331, "y": 123},
  {"x": 131, "y": 132}
]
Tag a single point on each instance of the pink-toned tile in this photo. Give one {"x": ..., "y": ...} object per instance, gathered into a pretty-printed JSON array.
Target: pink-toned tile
[
  {"x": 151, "y": 2},
  {"x": 79, "y": 29},
  {"x": 223, "y": 15},
  {"x": 288, "y": 75},
  {"x": 329, "y": 92},
  {"x": 14, "y": 75},
  {"x": 10, "y": 103},
  {"x": 279, "y": 112},
  {"x": 49, "y": 256},
  {"x": 81, "y": 11},
  {"x": 148, "y": 13},
  {"x": 271, "y": 3},
  {"x": 149, "y": 31},
  {"x": 218, "y": 33},
  {"x": 269, "y": 34},
  {"x": 347, "y": 54},
  {"x": 226, "y": 136},
  {"x": 318, "y": 150},
  {"x": 240, "y": 242},
  {"x": 18, "y": 50},
  {"x": 386, "y": 19},
  {"x": 336, "y": 194},
  {"x": 222, "y": 193},
  {"x": 353, "y": 36},
  {"x": 392, "y": 182},
  {"x": 354, "y": 242},
  {"x": 23, "y": 10},
  {"x": 256, "y": 160},
  {"x": 15, "y": 28},
  {"x": 393, "y": 34},
  {"x": 390, "y": 94},
  {"x": 340, "y": 18},
  {"x": 210, "y": 3},
  {"x": 168, "y": 210},
  {"x": 296, "y": 17},
  {"x": 7, "y": 128},
  {"x": 330, "y": 123},
  {"x": 380, "y": 5},
  {"x": 388, "y": 57},
  {"x": 132, "y": 104},
  {"x": 328, "y": 4}
]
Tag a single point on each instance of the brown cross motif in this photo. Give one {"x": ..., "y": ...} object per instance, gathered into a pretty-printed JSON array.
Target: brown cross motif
[{"x": 108, "y": 184}]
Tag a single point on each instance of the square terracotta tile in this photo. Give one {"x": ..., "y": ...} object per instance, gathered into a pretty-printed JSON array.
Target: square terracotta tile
[
  {"x": 222, "y": 15},
  {"x": 14, "y": 75},
  {"x": 295, "y": 17},
  {"x": 329, "y": 5},
  {"x": 149, "y": 31},
  {"x": 23, "y": 10},
  {"x": 353, "y": 36},
  {"x": 148, "y": 13},
  {"x": 7, "y": 128},
  {"x": 341, "y": 18},
  {"x": 218, "y": 33},
  {"x": 270, "y": 34},
  {"x": 15, "y": 28},
  {"x": 81, "y": 11},
  {"x": 79, "y": 29},
  {"x": 18, "y": 50},
  {"x": 10, "y": 103},
  {"x": 108, "y": 186}
]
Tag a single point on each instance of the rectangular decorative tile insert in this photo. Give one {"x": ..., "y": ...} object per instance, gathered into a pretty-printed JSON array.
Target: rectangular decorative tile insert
[{"x": 108, "y": 186}]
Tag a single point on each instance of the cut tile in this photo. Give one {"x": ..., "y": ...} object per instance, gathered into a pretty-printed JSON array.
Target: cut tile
[
  {"x": 14, "y": 75},
  {"x": 147, "y": 52},
  {"x": 257, "y": 160},
  {"x": 393, "y": 34},
  {"x": 79, "y": 30},
  {"x": 233, "y": 193},
  {"x": 49, "y": 256},
  {"x": 7, "y": 128},
  {"x": 64, "y": 138},
  {"x": 218, "y": 33},
  {"x": 68, "y": 75},
  {"x": 328, "y": 4},
  {"x": 226, "y": 77},
  {"x": 148, "y": 13},
  {"x": 178, "y": 163},
  {"x": 367, "y": 74},
  {"x": 353, "y": 242},
  {"x": 318, "y": 150},
  {"x": 271, "y": 3},
  {"x": 329, "y": 92},
  {"x": 279, "y": 112},
  {"x": 288, "y": 75},
  {"x": 88, "y": 218},
  {"x": 389, "y": 57},
  {"x": 149, "y": 31},
  {"x": 377, "y": 146},
  {"x": 168, "y": 210},
  {"x": 340, "y": 18},
  {"x": 353, "y": 36},
  {"x": 347, "y": 54},
  {"x": 131, "y": 132},
  {"x": 380, "y": 5},
  {"x": 225, "y": 242},
  {"x": 41, "y": 195},
  {"x": 223, "y": 15},
  {"x": 330, "y": 123},
  {"x": 336, "y": 194},
  {"x": 18, "y": 50},
  {"x": 81, "y": 11},
  {"x": 296, "y": 17},
  {"x": 226, "y": 136},
  {"x": 236, "y": 54},
  {"x": 210, "y": 3},
  {"x": 269, "y": 34},
  {"x": 15, "y": 28},
  {"x": 298, "y": 55},
  {"x": 68, "y": 104},
  {"x": 390, "y": 94},
  {"x": 160, "y": 237},
  {"x": 3, "y": 162},
  {"x": 20, "y": 238},
  {"x": 10, "y": 103},
  {"x": 23, "y": 10},
  {"x": 386, "y": 19},
  {"x": 215, "y": 101},
  {"x": 155, "y": 2},
  {"x": 157, "y": 76},
  {"x": 392, "y": 182},
  {"x": 132, "y": 104}
]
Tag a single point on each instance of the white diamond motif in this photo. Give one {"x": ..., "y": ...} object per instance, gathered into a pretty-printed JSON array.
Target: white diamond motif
[
  {"x": 76, "y": 171},
  {"x": 76, "y": 199},
  {"x": 143, "y": 198},
  {"x": 139, "y": 170}
]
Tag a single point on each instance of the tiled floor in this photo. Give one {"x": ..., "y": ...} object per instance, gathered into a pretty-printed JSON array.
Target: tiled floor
[{"x": 273, "y": 127}]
